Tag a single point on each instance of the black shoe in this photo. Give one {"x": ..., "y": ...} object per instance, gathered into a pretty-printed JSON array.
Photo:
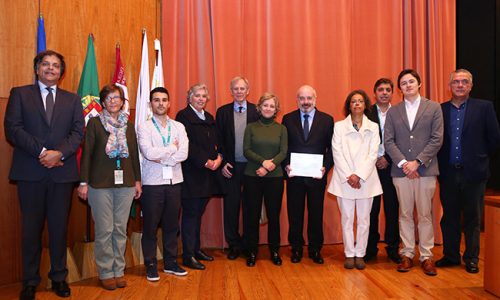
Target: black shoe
[
  {"x": 394, "y": 256},
  {"x": 296, "y": 256},
  {"x": 200, "y": 255},
  {"x": 251, "y": 258},
  {"x": 369, "y": 256},
  {"x": 275, "y": 258},
  {"x": 61, "y": 288},
  {"x": 233, "y": 254},
  {"x": 28, "y": 293},
  {"x": 193, "y": 263},
  {"x": 316, "y": 257},
  {"x": 471, "y": 267},
  {"x": 446, "y": 262}
]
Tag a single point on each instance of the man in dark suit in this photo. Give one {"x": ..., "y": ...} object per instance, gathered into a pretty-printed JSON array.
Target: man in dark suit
[
  {"x": 231, "y": 120},
  {"x": 383, "y": 90},
  {"x": 413, "y": 135},
  {"x": 45, "y": 125},
  {"x": 471, "y": 135},
  {"x": 309, "y": 131}
]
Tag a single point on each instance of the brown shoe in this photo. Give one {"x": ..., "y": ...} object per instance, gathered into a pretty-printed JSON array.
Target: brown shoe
[
  {"x": 349, "y": 263},
  {"x": 406, "y": 264},
  {"x": 108, "y": 284},
  {"x": 359, "y": 263},
  {"x": 121, "y": 282},
  {"x": 428, "y": 267}
]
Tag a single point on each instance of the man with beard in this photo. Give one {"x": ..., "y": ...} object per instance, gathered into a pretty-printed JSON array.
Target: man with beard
[{"x": 309, "y": 131}]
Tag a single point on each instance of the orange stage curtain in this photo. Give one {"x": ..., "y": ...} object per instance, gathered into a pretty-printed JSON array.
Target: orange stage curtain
[{"x": 335, "y": 46}]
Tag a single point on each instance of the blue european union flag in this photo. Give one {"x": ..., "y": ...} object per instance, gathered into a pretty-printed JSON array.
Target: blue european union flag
[{"x": 41, "y": 45}]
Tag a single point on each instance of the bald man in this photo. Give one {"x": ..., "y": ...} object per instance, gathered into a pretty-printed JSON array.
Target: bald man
[{"x": 309, "y": 131}]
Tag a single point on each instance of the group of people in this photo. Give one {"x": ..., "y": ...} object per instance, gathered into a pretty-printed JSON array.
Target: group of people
[{"x": 244, "y": 155}]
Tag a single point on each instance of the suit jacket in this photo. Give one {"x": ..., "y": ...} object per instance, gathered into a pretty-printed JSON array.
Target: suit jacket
[
  {"x": 422, "y": 142},
  {"x": 199, "y": 182},
  {"x": 373, "y": 116},
  {"x": 480, "y": 138},
  {"x": 27, "y": 128},
  {"x": 318, "y": 141},
  {"x": 225, "y": 128},
  {"x": 355, "y": 152}
]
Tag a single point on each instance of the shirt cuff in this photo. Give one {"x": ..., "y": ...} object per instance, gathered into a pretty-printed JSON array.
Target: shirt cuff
[{"x": 401, "y": 163}]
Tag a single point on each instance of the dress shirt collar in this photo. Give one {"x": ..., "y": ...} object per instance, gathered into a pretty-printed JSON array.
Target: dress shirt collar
[
  {"x": 201, "y": 114},
  {"x": 413, "y": 104},
  {"x": 311, "y": 115},
  {"x": 236, "y": 106},
  {"x": 43, "y": 88}
]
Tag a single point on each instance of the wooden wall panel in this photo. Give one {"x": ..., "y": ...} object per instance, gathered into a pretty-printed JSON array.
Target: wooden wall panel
[
  {"x": 10, "y": 221},
  {"x": 67, "y": 25}
]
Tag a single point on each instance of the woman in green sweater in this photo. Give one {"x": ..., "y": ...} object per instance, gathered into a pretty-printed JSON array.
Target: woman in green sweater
[{"x": 265, "y": 147}]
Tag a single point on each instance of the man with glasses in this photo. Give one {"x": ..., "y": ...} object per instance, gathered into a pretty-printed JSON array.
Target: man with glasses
[
  {"x": 45, "y": 124},
  {"x": 471, "y": 136},
  {"x": 231, "y": 120}
]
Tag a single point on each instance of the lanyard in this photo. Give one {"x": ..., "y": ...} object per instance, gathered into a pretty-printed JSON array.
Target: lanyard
[
  {"x": 169, "y": 128},
  {"x": 118, "y": 165}
]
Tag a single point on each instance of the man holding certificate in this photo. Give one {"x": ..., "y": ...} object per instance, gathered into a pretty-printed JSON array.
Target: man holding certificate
[{"x": 308, "y": 161}]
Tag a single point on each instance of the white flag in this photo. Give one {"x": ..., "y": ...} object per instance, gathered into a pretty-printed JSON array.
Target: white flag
[
  {"x": 158, "y": 70},
  {"x": 142, "y": 109}
]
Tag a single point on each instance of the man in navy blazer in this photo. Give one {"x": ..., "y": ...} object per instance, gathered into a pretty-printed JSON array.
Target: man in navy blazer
[
  {"x": 231, "y": 120},
  {"x": 45, "y": 125},
  {"x": 471, "y": 135},
  {"x": 309, "y": 131}
]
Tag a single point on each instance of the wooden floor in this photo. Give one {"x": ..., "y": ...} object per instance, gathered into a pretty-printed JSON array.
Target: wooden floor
[{"x": 225, "y": 279}]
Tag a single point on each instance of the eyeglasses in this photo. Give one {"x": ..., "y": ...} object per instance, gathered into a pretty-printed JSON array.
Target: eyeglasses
[
  {"x": 111, "y": 98},
  {"x": 354, "y": 101}
]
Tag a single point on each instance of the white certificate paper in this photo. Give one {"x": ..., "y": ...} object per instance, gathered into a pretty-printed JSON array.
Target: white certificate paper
[{"x": 307, "y": 165}]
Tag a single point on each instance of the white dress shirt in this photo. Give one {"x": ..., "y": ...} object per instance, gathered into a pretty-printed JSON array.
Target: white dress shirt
[
  {"x": 381, "y": 116},
  {"x": 411, "y": 110},
  {"x": 157, "y": 157},
  {"x": 411, "y": 113}
]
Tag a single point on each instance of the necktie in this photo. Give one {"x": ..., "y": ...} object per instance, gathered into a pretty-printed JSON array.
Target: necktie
[
  {"x": 306, "y": 126},
  {"x": 240, "y": 109},
  {"x": 49, "y": 104}
]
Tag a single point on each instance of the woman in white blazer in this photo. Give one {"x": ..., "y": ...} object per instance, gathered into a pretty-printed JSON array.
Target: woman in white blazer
[{"x": 355, "y": 180}]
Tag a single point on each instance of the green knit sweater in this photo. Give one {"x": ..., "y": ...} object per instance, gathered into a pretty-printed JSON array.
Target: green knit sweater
[{"x": 265, "y": 139}]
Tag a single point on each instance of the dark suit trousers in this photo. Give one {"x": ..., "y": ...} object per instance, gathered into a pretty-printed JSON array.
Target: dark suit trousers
[
  {"x": 271, "y": 189},
  {"x": 192, "y": 211},
  {"x": 40, "y": 200},
  {"x": 297, "y": 190},
  {"x": 160, "y": 204},
  {"x": 391, "y": 211},
  {"x": 461, "y": 198},
  {"x": 232, "y": 202}
]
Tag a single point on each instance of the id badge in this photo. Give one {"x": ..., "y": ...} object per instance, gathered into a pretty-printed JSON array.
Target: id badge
[
  {"x": 118, "y": 176},
  {"x": 167, "y": 172}
]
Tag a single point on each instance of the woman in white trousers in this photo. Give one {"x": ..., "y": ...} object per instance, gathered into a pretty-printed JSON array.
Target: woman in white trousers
[{"x": 355, "y": 180}]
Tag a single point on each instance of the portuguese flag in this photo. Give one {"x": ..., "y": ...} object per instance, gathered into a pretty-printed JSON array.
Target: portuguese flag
[{"x": 88, "y": 89}]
